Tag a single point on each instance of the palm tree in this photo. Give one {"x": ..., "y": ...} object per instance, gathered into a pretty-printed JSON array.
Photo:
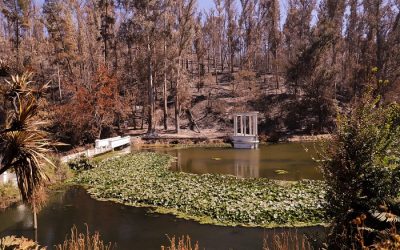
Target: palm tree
[{"x": 23, "y": 142}]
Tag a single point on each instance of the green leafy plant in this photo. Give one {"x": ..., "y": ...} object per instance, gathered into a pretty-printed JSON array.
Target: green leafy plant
[
  {"x": 361, "y": 166},
  {"x": 80, "y": 164},
  {"x": 8, "y": 195}
]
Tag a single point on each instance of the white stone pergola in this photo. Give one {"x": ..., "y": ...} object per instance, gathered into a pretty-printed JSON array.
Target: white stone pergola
[{"x": 245, "y": 130}]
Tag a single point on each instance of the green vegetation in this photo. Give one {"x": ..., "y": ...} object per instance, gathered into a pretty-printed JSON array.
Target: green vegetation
[
  {"x": 80, "y": 164},
  {"x": 362, "y": 172},
  {"x": 8, "y": 194},
  {"x": 143, "y": 179}
]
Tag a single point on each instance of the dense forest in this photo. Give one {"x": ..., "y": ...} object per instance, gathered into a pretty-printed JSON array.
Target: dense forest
[{"x": 166, "y": 65}]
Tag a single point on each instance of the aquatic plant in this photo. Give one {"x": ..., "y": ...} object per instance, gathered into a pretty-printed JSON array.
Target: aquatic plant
[{"x": 144, "y": 179}]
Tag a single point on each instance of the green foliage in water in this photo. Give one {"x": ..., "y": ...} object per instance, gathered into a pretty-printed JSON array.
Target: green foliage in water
[
  {"x": 144, "y": 179},
  {"x": 361, "y": 166}
]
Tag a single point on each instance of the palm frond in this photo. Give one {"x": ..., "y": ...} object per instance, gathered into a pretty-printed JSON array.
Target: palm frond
[
  {"x": 19, "y": 85},
  {"x": 23, "y": 142},
  {"x": 385, "y": 216},
  {"x": 25, "y": 152}
]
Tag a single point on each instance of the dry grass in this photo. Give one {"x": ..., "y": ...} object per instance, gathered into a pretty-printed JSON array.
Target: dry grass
[
  {"x": 80, "y": 241},
  {"x": 16, "y": 243},
  {"x": 182, "y": 243},
  {"x": 284, "y": 241}
]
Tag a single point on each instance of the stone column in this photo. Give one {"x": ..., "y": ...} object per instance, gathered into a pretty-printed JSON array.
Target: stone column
[
  {"x": 235, "y": 125},
  {"x": 241, "y": 125},
  {"x": 250, "y": 125},
  {"x": 245, "y": 125},
  {"x": 255, "y": 125}
]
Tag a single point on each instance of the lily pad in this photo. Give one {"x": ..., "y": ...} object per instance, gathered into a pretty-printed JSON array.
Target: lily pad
[{"x": 281, "y": 171}]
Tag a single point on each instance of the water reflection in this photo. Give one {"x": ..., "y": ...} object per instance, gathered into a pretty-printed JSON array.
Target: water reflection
[
  {"x": 281, "y": 161},
  {"x": 247, "y": 165}
]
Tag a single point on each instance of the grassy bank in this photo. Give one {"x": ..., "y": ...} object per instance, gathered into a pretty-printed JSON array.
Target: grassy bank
[{"x": 143, "y": 179}]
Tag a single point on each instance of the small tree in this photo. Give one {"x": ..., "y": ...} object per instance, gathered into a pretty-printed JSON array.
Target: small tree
[
  {"x": 23, "y": 142},
  {"x": 361, "y": 166},
  {"x": 93, "y": 108}
]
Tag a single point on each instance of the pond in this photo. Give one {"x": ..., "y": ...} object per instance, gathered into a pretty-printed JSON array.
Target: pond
[
  {"x": 129, "y": 227},
  {"x": 139, "y": 228},
  {"x": 288, "y": 161}
]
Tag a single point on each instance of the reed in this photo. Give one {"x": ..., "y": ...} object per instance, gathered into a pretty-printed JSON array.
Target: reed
[
  {"x": 80, "y": 241},
  {"x": 287, "y": 240},
  {"x": 182, "y": 243}
]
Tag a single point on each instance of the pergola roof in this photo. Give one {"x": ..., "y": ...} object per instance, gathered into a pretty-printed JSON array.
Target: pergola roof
[{"x": 246, "y": 113}]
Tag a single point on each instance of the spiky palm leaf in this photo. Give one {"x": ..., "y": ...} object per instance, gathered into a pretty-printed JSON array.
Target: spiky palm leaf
[
  {"x": 24, "y": 147},
  {"x": 19, "y": 85},
  {"x": 23, "y": 142},
  {"x": 26, "y": 116},
  {"x": 385, "y": 216}
]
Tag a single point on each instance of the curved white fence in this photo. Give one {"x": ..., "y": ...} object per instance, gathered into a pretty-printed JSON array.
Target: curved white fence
[{"x": 101, "y": 146}]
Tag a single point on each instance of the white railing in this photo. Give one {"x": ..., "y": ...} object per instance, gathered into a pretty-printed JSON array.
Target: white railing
[
  {"x": 105, "y": 142},
  {"x": 115, "y": 143},
  {"x": 101, "y": 147}
]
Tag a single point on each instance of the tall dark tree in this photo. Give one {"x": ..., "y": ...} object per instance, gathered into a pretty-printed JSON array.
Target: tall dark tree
[{"x": 17, "y": 14}]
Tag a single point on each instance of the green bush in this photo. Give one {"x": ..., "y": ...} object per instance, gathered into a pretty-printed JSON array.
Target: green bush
[
  {"x": 362, "y": 171},
  {"x": 80, "y": 164}
]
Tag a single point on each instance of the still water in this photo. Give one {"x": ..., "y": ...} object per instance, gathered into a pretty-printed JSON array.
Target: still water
[
  {"x": 289, "y": 161},
  {"x": 138, "y": 228},
  {"x": 129, "y": 227}
]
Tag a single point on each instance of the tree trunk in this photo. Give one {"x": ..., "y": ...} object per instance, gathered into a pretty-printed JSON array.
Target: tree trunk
[
  {"x": 35, "y": 224},
  {"x": 177, "y": 105},
  {"x": 215, "y": 66},
  {"x": 165, "y": 96},
  {"x": 150, "y": 128},
  {"x": 59, "y": 81},
  {"x": 208, "y": 60}
]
